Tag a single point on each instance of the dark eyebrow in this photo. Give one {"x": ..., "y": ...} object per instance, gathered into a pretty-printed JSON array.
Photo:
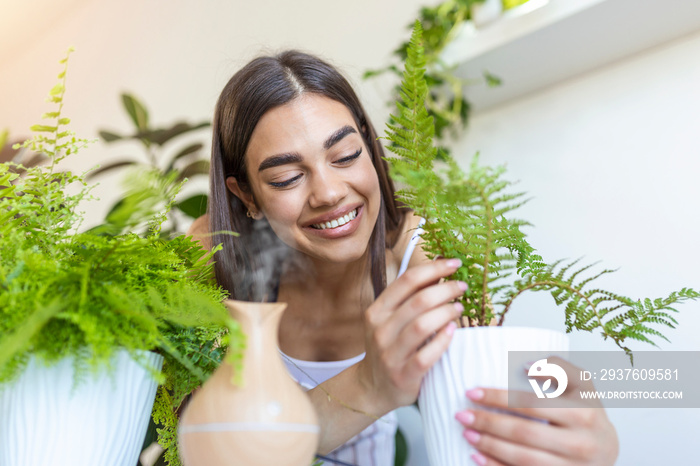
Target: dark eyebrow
[
  {"x": 338, "y": 135},
  {"x": 277, "y": 160},
  {"x": 293, "y": 157}
]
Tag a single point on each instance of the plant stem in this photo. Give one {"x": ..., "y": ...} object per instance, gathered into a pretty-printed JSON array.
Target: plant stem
[
  {"x": 552, "y": 283},
  {"x": 488, "y": 220}
]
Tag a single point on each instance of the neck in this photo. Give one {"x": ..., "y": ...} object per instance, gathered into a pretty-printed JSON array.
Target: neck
[{"x": 333, "y": 281}]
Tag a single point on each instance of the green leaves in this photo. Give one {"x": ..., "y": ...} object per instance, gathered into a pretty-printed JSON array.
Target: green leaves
[
  {"x": 57, "y": 90},
  {"x": 137, "y": 112},
  {"x": 445, "y": 101},
  {"x": 49, "y": 140},
  {"x": 66, "y": 292},
  {"x": 17, "y": 341},
  {"x": 43, "y": 128},
  {"x": 470, "y": 216},
  {"x": 186, "y": 162},
  {"x": 194, "y": 206}
]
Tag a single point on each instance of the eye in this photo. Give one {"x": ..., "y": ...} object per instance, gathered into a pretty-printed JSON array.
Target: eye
[
  {"x": 349, "y": 158},
  {"x": 284, "y": 184}
]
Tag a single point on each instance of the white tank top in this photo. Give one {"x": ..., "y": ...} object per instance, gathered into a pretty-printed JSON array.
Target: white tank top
[{"x": 374, "y": 446}]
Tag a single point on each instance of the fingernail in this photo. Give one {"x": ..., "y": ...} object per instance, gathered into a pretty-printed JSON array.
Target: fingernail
[
  {"x": 479, "y": 459},
  {"x": 475, "y": 394},
  {"x": 454, "y": 263},
  {"x": 462, "y": 286},
  {"x": 465, "y": 417},
  {"x": 450, "y": 329},
  {"x": 472, "y": 436},
  {"x": 459, "y": 307}
]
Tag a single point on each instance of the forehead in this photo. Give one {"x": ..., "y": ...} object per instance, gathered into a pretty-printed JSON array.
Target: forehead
[{"x": 303, "y": 123}]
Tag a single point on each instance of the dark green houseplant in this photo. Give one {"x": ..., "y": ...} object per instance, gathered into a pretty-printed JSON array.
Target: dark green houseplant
[
  {"x": 86, "y": 295},
  {"x": 164, "y": 152}
]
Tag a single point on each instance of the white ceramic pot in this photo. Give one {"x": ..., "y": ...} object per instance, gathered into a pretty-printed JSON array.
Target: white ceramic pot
[
  {"x": 48, "y": 420},
  {"x": 477, "y": 357}
]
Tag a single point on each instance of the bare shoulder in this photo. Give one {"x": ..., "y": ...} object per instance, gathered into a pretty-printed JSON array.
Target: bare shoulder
[
  {"x": 199, "y": 231},
  {"x": 409, "y": 227}
]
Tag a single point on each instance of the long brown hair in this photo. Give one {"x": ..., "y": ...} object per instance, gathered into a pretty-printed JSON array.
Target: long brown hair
[{"x": 243, "y": 266}]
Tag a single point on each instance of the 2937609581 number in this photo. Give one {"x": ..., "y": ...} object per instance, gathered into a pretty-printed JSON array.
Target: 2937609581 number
[{"x": 638, "y": 374}]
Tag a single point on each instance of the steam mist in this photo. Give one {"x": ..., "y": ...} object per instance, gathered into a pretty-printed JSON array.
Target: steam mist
[{"x": 269, "y": 259}]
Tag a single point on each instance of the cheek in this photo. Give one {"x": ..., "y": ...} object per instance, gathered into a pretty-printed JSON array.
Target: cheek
[
  {"x": 368, "y": 183},
  {"x": 282, "y": 213}
]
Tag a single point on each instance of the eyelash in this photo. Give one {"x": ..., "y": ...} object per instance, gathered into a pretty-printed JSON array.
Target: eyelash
[
  {"x": 350, "y": 157},
  {"x": 284, "y": 184}
]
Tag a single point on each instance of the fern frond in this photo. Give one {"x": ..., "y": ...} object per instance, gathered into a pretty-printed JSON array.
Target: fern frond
[{"x": 469, "y": 216}]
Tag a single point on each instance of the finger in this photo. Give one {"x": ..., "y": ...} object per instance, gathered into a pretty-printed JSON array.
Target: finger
[
  {"x": 417, "y": 278},
  {"x": 496, "y": 451},
  {"x": 526, "y": 432},
  {"x": 482, "y": 460},
  {"x": 423, "y": 359},
  {"x": 429, "y": 298},
  {"x": 567, "y": 415},
  {"x": 425, "y": 300},
  {"x": 416, "y": 333}
]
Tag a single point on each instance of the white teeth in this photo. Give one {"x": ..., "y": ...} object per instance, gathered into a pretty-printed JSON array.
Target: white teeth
[{"x": 337, "y": 222}]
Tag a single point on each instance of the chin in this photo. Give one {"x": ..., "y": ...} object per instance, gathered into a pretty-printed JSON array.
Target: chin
[{"x": 346, "y": 253}]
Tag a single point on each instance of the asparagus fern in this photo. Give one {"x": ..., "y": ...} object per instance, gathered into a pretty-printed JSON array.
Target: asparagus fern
[{"x": 67, "y": 293}]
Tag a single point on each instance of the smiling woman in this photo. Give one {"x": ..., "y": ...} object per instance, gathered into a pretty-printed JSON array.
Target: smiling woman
[
  {"x": 298, "y": 171},
  {"x": 263, "y": 157}
]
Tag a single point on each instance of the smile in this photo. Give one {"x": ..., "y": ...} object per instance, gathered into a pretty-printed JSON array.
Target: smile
[{"x": 340, "y": 221}]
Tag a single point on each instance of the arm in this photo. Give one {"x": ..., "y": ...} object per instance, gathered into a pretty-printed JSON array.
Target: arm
[{"x": 398, "y": 324}]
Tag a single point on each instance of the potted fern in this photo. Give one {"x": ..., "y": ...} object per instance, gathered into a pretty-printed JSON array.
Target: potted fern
[
  {"x": 91, "y": 322},
  {"x": 469, "y": 215}
]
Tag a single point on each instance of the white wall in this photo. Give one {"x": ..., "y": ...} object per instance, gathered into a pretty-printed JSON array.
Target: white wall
[{"x": 611, "y": 160}]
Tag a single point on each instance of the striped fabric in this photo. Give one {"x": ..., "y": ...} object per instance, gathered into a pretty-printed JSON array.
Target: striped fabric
[{"x": 374, "y": 446}]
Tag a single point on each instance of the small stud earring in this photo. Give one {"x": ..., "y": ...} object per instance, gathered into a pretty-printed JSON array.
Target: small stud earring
[{"x": 249, "y": 215}]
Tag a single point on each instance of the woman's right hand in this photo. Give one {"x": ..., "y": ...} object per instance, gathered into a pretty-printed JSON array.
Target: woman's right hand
[{"x": 408, "y": 328}]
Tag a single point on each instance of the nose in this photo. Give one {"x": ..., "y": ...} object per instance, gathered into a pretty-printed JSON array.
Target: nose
[{"x": 327, "y": 189}]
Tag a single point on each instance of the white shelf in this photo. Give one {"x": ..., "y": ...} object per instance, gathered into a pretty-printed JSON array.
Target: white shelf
[{"x": 545, "y": 42}]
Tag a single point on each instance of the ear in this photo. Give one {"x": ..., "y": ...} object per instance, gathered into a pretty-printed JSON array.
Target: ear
[{"x": 244, "y": 195}]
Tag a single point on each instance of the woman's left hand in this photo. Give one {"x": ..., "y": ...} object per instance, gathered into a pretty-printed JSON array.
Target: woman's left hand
[{"x": 577, "y": 435}]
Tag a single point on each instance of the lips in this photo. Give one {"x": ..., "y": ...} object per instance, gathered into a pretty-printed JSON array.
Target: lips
[
  {"x": 337, "y": 222},
  {"x": 333, "y": 215},
  {"x": 341, "y": 222}
]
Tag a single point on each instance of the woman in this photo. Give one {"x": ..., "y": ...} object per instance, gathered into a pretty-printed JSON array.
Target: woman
[{"x": 297, "y": 170}]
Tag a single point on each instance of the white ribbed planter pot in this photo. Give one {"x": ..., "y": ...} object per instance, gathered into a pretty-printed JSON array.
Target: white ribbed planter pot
[
  {"x": 46, "y": 420},
  {"x": 477, "y": 357}
]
